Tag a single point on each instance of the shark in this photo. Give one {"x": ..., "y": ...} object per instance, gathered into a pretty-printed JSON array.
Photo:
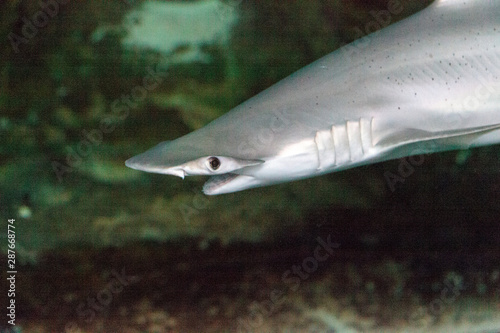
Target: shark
[{"x": 428, "y": 83}]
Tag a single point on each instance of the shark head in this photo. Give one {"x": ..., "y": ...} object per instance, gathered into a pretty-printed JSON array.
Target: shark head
[
  {"x": 228, "y": 150},
  {"x": 227, "y": 173}
]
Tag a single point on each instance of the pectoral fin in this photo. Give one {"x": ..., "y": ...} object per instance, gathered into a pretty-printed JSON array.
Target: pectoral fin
[{"x": 460, "y": 138}]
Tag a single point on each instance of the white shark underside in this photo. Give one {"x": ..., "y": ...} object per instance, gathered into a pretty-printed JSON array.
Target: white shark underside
[{"x": 428, "y": 83}]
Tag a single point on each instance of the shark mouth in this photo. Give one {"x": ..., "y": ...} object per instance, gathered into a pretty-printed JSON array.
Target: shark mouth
[
  {"x": 214, "y": 183},
  {"x": 227, "y": 183}
]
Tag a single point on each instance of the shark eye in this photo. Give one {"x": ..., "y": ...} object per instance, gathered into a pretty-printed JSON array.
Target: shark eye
[{"x": 214, "y": 163}]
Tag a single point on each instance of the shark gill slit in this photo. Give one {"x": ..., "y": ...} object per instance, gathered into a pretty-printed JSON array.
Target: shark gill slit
[{"x": 344, "y": 143}]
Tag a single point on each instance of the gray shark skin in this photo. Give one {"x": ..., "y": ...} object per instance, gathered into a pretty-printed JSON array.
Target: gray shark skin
[{"x": 428, "y": 83}]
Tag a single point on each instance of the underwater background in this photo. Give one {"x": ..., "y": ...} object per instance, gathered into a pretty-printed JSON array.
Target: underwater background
[{"x": 408, "y": 245}]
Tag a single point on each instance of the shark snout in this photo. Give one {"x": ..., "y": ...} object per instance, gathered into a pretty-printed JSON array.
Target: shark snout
[
  {"x": 156, "y": 160},
  {"x": 139, "y": 163}
]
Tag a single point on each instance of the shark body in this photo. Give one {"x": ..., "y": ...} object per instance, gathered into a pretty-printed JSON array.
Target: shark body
[{"x": 428, "y": 83}]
